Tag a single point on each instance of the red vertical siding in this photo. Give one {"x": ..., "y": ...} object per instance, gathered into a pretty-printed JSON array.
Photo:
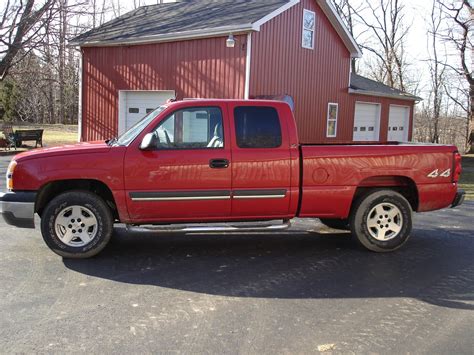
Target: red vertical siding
[
  {"x": 280, "y": 65},
  {"x": 203, "y": 68}
]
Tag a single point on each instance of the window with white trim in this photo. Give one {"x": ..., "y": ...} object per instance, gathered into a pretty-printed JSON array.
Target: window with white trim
[
  {"x": 333, "y": 112},
  {"x": 309, "y": 26}
]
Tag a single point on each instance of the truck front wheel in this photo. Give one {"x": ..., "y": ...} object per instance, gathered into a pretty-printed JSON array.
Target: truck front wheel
[
  {"x": 381, "y": 221},
  {"x": 77, "y": 224}
]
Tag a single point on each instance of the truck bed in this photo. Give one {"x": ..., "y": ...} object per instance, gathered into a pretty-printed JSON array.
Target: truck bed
[{"x": 333, "y": 174}]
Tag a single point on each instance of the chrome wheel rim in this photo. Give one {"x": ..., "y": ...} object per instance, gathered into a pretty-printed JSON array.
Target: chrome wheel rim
[
  {"x": 384, "y": 222},
  {"x": 76, "y": 226}
]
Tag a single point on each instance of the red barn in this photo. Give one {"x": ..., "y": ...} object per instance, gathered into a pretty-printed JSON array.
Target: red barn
[{"x": 236, "y": 49}]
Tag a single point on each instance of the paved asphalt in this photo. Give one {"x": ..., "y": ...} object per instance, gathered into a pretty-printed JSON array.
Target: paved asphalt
[{"x": 293, "y": 292}]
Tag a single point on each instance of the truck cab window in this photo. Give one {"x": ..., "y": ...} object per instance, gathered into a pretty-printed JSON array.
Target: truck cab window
[
  {"x": 257, "y": 127},
  {"x": 191, "y": 128}
]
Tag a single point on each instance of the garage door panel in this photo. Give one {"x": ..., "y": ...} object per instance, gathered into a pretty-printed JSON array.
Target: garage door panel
[
  {"x": 137, "y": 104},
  {"x": 366, "y": 122},
  {"x": 398, "y": 123}
]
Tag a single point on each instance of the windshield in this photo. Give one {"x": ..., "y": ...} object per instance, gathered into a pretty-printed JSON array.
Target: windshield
[{"x": 127, "y": 137}]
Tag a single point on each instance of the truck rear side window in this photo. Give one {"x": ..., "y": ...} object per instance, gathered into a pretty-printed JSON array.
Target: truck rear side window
[{"x": 257, "y": 127}]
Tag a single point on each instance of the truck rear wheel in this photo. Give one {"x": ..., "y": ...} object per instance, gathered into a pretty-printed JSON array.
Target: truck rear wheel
[
  {"x": 77, "y": 224},
  {"x": 381, "y": 221},
  {"x": 335, "y": 223}
]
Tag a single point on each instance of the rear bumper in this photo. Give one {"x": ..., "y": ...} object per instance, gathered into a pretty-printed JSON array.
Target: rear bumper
[
  {"x": 18, "y": 208},
  {"x": 459, "y": 199}
]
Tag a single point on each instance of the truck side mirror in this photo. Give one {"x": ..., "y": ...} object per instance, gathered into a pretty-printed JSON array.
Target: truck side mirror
[{"x": 149, "y": 142}]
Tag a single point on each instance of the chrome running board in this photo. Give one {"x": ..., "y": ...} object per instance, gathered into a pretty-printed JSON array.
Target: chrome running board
[{"x": 212, "y": 228}]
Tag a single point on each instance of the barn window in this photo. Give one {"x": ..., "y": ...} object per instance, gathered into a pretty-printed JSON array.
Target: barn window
[
  {"x": 333, "y": 111},
  {"x": 309, "y": 25}
]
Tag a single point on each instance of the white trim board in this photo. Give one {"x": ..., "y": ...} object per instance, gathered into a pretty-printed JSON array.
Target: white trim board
[
  {"x": 79, "y": 108},
  {"x": 256, "y": 25},
  {"x": 248, "y": 66}
]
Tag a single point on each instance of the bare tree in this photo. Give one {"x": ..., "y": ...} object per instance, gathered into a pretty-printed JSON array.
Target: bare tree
[
  {"x": 22, "y": 27},
  {"x": 42, "y": 81},
  {"x": 388, "y": 28},
  {"x": 437, "y": 69},
  {"x": 346, "y": 11},
  {"x": 461, "y": 15},
  {"x": 137, "y": 4}
]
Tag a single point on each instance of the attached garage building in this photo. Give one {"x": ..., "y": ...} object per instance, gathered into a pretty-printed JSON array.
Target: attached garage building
[{"x": 236, "y": 49}]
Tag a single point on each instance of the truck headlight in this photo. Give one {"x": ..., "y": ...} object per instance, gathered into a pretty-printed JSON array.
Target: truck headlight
[{"x": 11, "y": 169}]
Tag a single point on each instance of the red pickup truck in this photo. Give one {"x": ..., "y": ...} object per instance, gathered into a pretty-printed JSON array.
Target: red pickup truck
[{"x": 216, "y": 161}]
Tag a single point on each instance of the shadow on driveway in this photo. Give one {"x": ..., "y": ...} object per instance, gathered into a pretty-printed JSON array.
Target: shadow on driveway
[{"x": 434, "y": 266}]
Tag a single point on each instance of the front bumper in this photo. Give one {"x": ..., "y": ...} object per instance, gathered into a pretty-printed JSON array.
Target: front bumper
[
  {"x": 459, "y": 199},
  {"x": 18, "y": 208}
]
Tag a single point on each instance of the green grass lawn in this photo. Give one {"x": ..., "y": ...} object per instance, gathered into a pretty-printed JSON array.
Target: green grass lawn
[{"x": 467, "y": 177}]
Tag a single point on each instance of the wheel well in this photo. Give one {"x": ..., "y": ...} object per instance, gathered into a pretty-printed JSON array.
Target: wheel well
[
  {"x": 53, "y": 189},
  {"x": 401, "y": 184}
]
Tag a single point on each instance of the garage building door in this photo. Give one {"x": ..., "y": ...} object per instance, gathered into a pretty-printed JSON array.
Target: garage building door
[
  {"x": 398, "y": 123},
  {"x": 134, "y": 105},
  {"x": 366, "y": 122}
]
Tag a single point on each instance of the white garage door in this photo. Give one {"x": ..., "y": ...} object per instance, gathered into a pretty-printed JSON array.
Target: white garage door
[
  {"x": 134, "y": 105},
  {"x": 366, "y": 122},
  {"x": 398, "y": 123}
]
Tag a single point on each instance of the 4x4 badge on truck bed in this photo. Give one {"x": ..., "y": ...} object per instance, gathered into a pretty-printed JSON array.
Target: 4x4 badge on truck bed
[{"x": 435, "y": 173}]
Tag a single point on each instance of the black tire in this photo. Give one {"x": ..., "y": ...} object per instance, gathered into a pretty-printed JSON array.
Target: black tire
[
  {"x": 335, "y": 223},
  {"x": 360, "y": 219},
  {"x": 103, "y": 228}
]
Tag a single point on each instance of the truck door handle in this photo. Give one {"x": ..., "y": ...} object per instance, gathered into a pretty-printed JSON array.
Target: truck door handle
[{"x": 219, "y": 163}]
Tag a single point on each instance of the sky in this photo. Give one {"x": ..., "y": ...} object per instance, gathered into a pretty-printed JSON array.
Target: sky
[
  {"x": 418, "y": 36},
  {"x": 419, "y": 41}
]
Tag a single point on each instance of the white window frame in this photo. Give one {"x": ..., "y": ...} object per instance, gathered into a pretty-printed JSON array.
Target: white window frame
[
  {"x": 305, "y": 11},
  {"x": 328, "y": 118}
]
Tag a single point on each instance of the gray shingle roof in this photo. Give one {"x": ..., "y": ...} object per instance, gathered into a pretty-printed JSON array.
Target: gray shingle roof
[
  {"x": 184, "y": 16},
  {"x": 362, "y": 84}
]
